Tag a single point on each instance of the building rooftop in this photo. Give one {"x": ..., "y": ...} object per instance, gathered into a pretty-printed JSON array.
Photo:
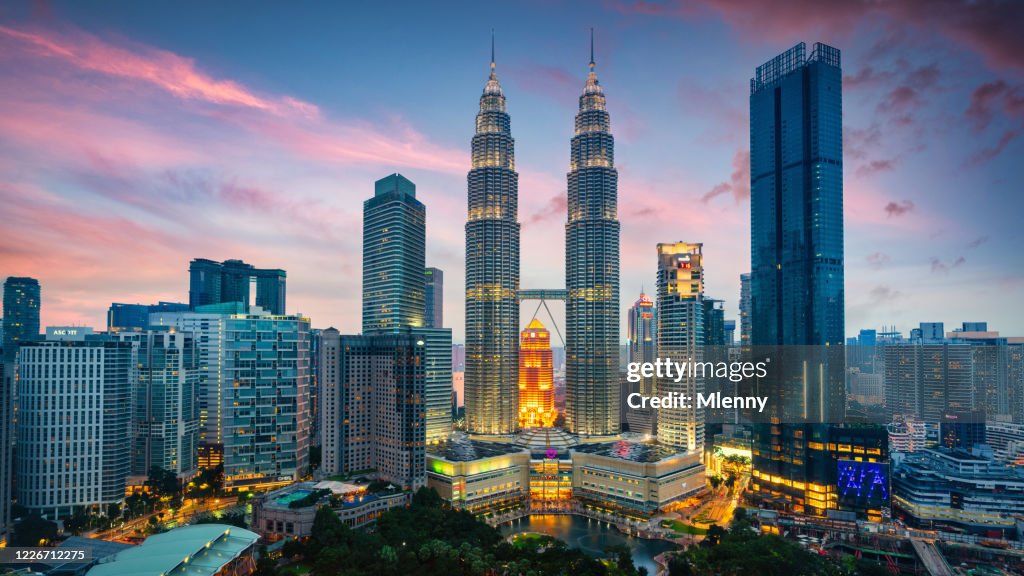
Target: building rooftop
[
  {"x": 545, "y": 438},
  {"x": 199, "y": 550},
  {"x": 631, "y": 451},
  {"x": 465, "y": 450}
]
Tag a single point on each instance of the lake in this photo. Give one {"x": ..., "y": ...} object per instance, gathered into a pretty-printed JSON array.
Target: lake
[{"x": 590, "y": 536}]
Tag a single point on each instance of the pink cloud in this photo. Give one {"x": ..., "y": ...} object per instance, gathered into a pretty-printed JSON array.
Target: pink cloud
[{"x": 160, "y": 68}]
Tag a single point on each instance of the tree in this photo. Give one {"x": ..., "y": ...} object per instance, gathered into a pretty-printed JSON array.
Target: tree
[
  {"x": 715, "y": 481},
  {"x": 163, "y": 482},
  {"x": 34, "y": 530},
  {"x": 715, "y": 534},
  {"x": 623, "y": 558}
]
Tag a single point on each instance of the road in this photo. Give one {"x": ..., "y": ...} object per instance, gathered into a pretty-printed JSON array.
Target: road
[{"x": 180, "y": 516}]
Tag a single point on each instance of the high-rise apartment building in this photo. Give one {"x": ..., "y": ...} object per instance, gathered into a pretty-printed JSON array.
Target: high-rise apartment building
[
  {"x": 21, "y": 313},
  {"x": 797, "y": 269},
  {"x": 745, "y": 311},
  {"x": 265, "y": 371},
  {"x": 592, "y": 270},
  {"x": 536, "y": 377},
  {"x": 373, "y": 409},
  {"x": 928, "y": 381},
  {"x": 212, "y": 282},
  {"x": 434, "y": 316},
  {"x": 74, "y": 423},
  {"x": 165, "y": 401},
  {"x": 7, "y": 370},
  {"x": 680, "y": 336},
  {"x": 394, "y": 250},
  {"x": 643, "y": 337},
  {"x": 208, "y": 330},
  {"x": 492, "y": 270}
]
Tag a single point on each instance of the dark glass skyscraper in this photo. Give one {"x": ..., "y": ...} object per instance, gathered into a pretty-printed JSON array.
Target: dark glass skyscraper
[
  {"x": 434, "y": 316},
  {"x": 212, "y": 282},
  {"x": 492, "y": 271},
  {"x": 592, "y": 271},
  {"x": 796, "y": 199},
  {"x": 21, "y": 313},
  {"x": 394, "y": 251},
  {"x": 796, "y": 280}
]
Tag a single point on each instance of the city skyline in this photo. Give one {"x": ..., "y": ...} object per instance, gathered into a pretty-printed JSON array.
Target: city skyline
[{"x": 125, "y": 202}]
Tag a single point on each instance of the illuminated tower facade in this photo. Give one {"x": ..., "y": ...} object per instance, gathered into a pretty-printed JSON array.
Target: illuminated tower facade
[
  {"x": 492, "y": 270},
  {"x": 643, "y": 337},
  {"x": 536, "y": 378},
  {"x": 592, "y": 271},
  {"x": 680, "y": 335}
]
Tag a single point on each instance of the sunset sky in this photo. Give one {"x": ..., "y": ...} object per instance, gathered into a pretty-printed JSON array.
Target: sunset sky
[{"x": 135, "y": 136}]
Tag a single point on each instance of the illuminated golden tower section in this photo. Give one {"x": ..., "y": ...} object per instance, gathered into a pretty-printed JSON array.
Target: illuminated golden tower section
[{"x": 536, "y": 380}]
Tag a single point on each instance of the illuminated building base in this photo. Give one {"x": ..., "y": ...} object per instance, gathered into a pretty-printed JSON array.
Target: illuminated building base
[{"x": 546, "y": 470}]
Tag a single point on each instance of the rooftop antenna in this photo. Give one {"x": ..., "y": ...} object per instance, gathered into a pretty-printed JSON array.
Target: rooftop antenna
[
  {"x": 492, "y": 50},
  {"x": 591, "y": 48}
]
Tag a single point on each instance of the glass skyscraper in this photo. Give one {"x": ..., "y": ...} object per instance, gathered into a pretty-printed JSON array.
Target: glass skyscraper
[
  {"x": 796, "y": 199},
  {"x": 21, "y": 313},
  {"x": 592, "y": 271},
  {"x": 434, "y": 316},
  {"x": 212, "y": 282},
  {"x": 492, "y": 271},
  {"x": 394, "y": 250},
  {"x": 796, "y": 280}
]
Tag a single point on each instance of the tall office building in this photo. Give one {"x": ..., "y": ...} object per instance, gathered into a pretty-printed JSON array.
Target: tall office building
[
  {"x": 165, "y": 405},
  {"x": 21, "y": 313},
  {"x": 331, "y": 401},
  {"x": 212, "y": 282},
  {"x": 714, "y": 322},
  {"x": 730, "y": 332},
  {"x": 536, "y": 378},
  {"x": 680, "y": 335},
  {"x": 928, "y": 381},
  {"x": 264, "y": 409},
  {"x": 437, "y": 381},
  {"x": 797, "y": 273},
  {"x": 373, "y": 411},
  {"x": 74, "y": 422},
  {"x": 434, "y": 316},
  {"x": 394, "y": 250},
  {"x": 7, "y": 370},
  {"x": 208, "y": 328},
  {"x": 121, "y": 317},
  {"x": 395, "y": 289},
  {"x": 492, "y": 270},
  {"x": 745, "y": 311},
  {"x": 592, "y": 270},
  {"x": 643, "y": 337},
  {"x": 796, "y": 199},
  {"x": 271, "y": 289}
]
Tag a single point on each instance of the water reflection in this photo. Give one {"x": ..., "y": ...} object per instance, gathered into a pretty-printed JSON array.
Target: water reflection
[{"x": 590, "y": 536}]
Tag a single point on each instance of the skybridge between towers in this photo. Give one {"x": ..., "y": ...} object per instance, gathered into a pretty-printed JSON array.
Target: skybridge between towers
[{"x": 543, "y": 295}]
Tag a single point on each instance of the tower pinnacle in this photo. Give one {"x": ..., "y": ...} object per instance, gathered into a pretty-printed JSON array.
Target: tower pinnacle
[
  {"x": 591, "y": 49},
  {"x": 493, "y": 65}
]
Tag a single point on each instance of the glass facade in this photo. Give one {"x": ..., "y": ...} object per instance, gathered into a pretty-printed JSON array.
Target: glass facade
[
  {"x": 796, "y": 280},
  {"x": 213, "y": 282},
  {"x": 492, "y": 271},
  {"x": 394, "y": 251},
  {"x": 592, "y": 271},
  {"x": 21, "y": 313},
  {"x": 265, "y": 383}
]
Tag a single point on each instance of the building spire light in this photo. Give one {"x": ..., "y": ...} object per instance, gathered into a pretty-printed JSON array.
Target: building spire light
[{"x": 493, "y": 65}]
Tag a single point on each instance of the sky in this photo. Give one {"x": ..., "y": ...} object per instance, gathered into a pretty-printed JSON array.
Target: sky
[{"x": 135, "y": 136}]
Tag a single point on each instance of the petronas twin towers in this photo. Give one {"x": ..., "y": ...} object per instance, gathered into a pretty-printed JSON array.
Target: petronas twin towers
[{"x": 591, "y": 270}]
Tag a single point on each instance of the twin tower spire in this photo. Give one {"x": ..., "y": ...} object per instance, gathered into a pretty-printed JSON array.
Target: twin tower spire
[{"x": 591, "y": 269}]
